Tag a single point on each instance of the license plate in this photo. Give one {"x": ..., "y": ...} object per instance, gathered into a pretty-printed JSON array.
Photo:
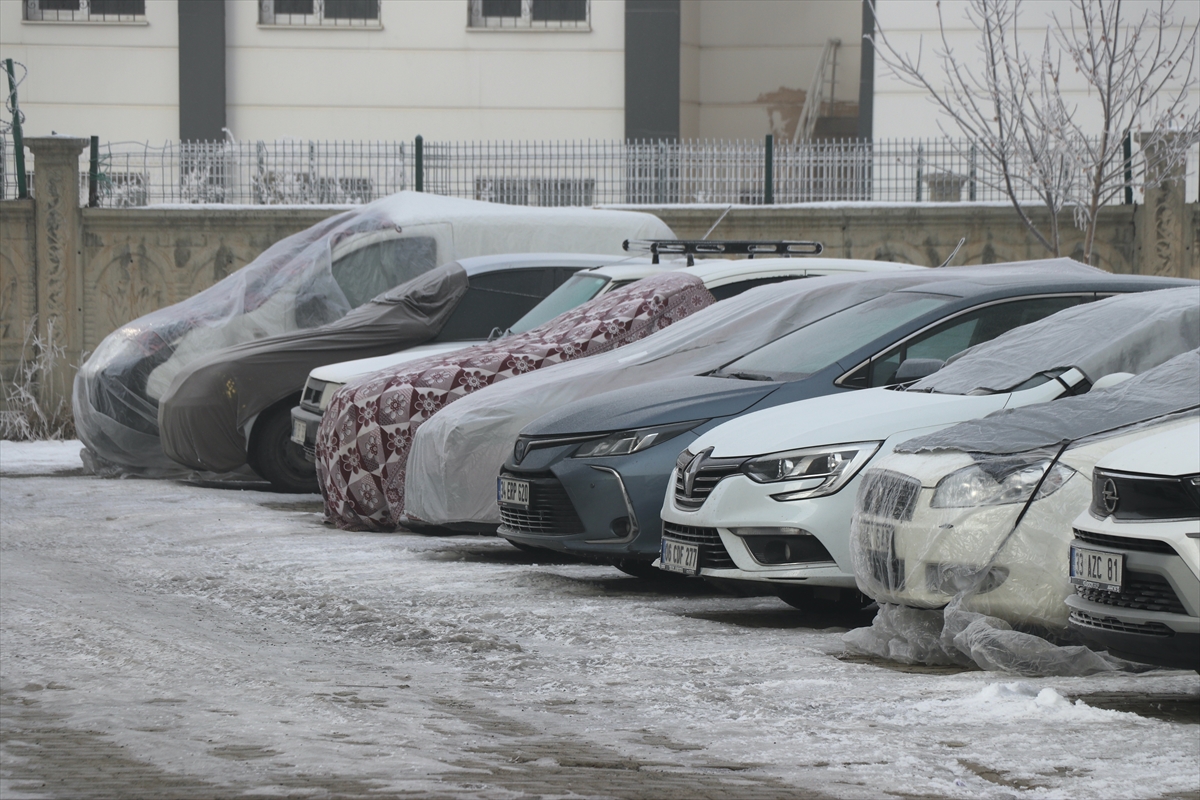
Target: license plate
[
  {"x": 680, "y": 557},
  {"x": 1096, "y": 569},
  {"x": 299, "y": 429},
  {"x": 512, "y": 493},
  {"x": 877, "y": 536}
]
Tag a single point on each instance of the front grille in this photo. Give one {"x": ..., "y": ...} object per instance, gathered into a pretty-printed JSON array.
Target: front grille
[
  {"x": 890, "y": 495},
  {"x": 550, "y": 509},
  {"x": 1143, "y": 591},
  {"x": 1086, "y": 620},
  {"x": 711, "y": 472},
  {"x": 712, "y": 550},
  {"x": 1141, "y": 497},
  {"x": 1124, "y": 542},
  {"x": 310, "y": 398}
]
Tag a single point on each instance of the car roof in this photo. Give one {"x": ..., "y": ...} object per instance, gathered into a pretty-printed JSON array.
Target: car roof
[
  {"x": 478, "y": 265},
  {"x": 715, "y": 270}
]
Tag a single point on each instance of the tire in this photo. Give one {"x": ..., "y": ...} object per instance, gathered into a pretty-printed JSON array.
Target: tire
[{"x": 275, "y": 457}]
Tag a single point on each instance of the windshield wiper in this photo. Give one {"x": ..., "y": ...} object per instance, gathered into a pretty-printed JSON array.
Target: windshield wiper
[{"x": 745, "y": 376}]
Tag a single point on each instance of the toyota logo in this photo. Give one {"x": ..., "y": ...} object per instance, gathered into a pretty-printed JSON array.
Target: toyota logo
[{"x": 1108, "y": 495}]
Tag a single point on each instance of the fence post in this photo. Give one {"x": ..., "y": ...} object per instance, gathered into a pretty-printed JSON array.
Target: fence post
[
  {"x": 972, "y": 194},
  {"x": 94, "y": 173},
  {"x": 419, "y": 163},
  {"x": 920, "y": 164},
  {"x": 769, "y": 170},
  {"x": 1127, "y": 145},
  {"x": 18, "y": 139}
]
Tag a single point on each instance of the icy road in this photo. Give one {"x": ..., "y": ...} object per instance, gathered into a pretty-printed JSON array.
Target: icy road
[{"x": 163, "y": 640}]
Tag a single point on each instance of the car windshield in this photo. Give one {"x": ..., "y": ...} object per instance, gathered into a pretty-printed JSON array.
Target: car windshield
[
  {"x": 575, "y": 292},
  {"x": 814, "y": 347}
]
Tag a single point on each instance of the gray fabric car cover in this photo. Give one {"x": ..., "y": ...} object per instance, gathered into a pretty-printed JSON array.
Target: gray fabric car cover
[
  {"x": 202, "y": 414},
  {"x": 456, "y": 456},
  {"x": 1170, "y": 388},
  {"x": 1128, "y": 333}
]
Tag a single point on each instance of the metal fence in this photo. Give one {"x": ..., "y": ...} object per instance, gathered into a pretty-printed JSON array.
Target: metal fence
[{"x": 563, "y": 173}]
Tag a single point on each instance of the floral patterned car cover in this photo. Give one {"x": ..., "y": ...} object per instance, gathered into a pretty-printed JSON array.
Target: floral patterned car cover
[{"x": 367, "y": 429}]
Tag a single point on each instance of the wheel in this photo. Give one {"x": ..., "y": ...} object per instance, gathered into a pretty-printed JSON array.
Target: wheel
[{"x": 275, "y": 457}]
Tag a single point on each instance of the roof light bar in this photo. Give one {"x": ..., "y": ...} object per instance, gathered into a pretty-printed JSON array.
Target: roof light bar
[{"x": 717, "y": 247}]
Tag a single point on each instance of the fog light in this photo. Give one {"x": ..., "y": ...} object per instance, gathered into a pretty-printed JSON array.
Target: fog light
[
  {"x": 954, "y": 578},
  {"x": 620, "y": 527},
  {"x": 783, "y": 545}
]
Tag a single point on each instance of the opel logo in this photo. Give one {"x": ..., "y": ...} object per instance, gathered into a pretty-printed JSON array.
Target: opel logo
[
  {"x": 689, "y": 472},
  {"x": 1108, "y": 495}
]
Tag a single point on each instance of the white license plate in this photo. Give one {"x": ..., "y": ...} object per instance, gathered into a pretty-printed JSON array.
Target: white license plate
[
  {"x": 680, "y": 557},
  {"x": 1097, "y": 569},
  {"x": 299, "y": 429},
  {"x": 512, "y": 493}
]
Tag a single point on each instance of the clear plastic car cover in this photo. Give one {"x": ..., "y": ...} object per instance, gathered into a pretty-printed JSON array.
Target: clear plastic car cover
[
  {"x": 456, "y": 457},
  {"x": 366, "y": 431},
  {"x": 303, "y": 281},
  {"x": 1127, "y": 333},
  {"x": 202, "y": 415},
  {"x": 975, "y": 569}
]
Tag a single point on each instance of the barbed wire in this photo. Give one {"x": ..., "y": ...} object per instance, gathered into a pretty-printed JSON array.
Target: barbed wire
[{"x": 6, "y": 124}]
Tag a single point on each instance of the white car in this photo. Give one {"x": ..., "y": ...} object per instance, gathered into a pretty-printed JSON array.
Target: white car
[
  {"x": 1135, "y": 559},
  {"x": 722, "y": 277},
  {"x": 769, "y": 496}
]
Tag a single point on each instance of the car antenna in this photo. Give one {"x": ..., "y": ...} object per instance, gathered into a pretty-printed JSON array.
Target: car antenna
[
  {"x": 691, "y": 261},
  {"x": 950, "y": 258}
]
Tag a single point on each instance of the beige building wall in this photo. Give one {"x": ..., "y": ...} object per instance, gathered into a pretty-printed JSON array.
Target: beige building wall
[
  {"x": 746, "y": 65},
  {"x": 118, "y": 81},
  {"x": 423, "y": 71}
]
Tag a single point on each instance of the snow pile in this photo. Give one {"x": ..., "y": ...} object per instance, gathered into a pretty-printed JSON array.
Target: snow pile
[{"x": 39, "y": 458}]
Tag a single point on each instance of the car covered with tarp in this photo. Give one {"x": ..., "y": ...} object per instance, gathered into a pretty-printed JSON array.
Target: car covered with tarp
[{"x": 307, "y": 280}]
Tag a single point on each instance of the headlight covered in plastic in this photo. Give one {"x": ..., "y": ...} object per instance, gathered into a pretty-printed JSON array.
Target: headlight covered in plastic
[
  {"x": 634, "y": 441},
  {"x": 999, "y": 483},
  {"x": 821, "y": 470}
]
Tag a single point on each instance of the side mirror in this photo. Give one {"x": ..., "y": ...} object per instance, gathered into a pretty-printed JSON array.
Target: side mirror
[{"x": 916, "y": 368}]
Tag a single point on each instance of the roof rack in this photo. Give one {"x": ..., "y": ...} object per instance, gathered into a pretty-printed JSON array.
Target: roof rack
[{"x": 749, "y": 248}]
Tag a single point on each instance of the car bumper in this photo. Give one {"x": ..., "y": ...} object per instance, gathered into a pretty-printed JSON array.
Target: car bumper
[{"x": 304, "y": 430}]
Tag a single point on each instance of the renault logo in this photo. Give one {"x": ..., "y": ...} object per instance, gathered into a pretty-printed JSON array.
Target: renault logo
[
  {"x": 689, "y": 472},
  {"x": 1108, "y": 495}
]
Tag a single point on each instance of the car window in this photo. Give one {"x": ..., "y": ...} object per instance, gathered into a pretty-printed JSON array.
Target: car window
[
  {"x": 496, "y": 300},
  {"x": 957, "y": 334},
  {"x": 575, "y": 292},
  {"x": 728, "y": 290},
  {"x": 370, "y": 271},
  {"x": 829, "y": 339}
]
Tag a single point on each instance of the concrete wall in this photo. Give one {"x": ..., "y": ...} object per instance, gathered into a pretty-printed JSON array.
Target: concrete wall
[{"x": 92, "y": 270}]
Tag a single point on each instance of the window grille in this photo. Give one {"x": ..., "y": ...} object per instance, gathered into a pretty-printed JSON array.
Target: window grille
[
  {"x": 530, "y": 14},
  {"x": 321, "y": 13},
  {"x": 85, "y": 10}
]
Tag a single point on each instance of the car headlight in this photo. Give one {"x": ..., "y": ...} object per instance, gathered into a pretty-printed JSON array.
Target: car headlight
[
  {"x": 634, "y": 441},
  {"x": 822, "y": 470},
  {"x": 999, "y": 483}
]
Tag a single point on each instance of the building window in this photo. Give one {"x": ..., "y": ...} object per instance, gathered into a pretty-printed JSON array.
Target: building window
[
  {"x": 324, "y": 13},
  {"x": 530, "y": 14},
  {"x": 85, "y": 10}
]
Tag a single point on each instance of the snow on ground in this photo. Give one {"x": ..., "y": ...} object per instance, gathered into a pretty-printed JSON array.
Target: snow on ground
[
  {"x": 39, "y": 458},
  {"x": 159, "y": 639}
]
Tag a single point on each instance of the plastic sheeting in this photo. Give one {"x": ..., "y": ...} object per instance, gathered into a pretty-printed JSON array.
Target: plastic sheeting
[
  {"x": 456, "y": 457},
  {"x": 203, "y": 413},
  {"x": 365, "y": 434},
  {"x": 985, "y": 551},
  {"x": 1127, "y": 333},
  {"x": 304, "y": 281},
  {"x": 1167, "y": 388}
]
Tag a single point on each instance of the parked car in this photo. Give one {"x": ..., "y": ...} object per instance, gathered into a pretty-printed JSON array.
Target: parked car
[
  {"x": 981, "y": 512},
  {"x": 595, "y": 471},
  {"x": 580, "y": 288},
  {"x": 234, "y": 406},
  {"x": 769, "y": 496},
  {"x": 304, "y": 281},
  {"x": 1135, "y": 559},
  {"x": 451, "y": 480}
]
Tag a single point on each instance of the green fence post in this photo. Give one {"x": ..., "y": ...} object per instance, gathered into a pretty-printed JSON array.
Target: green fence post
[
  {"x": 1127, "y": 147},
  {"x": 18, "y": 139},
  {"x": 769, "y": 171},
  {"x": 94, "y": 173},
  {"x": 419, "y": 163}
]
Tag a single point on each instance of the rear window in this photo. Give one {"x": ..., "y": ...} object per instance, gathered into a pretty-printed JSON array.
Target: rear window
[{"x": 370, "y": 271}]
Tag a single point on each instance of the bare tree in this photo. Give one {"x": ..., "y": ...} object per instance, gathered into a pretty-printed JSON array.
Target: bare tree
[{"x": 1010, "y": 104}]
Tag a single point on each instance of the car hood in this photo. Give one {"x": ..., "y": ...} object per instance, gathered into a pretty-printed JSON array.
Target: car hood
[
  {"x": 658, "y": 403},
  {"x": 866, "y": 415},
  {"x": 345, "y": 371}
]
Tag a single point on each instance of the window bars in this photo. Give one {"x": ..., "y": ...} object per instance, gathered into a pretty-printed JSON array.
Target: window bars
[
  {"x": 320, "y": 13},
  {"x": 529, "y": 14},
  {"x": 85, "y": 10}
]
